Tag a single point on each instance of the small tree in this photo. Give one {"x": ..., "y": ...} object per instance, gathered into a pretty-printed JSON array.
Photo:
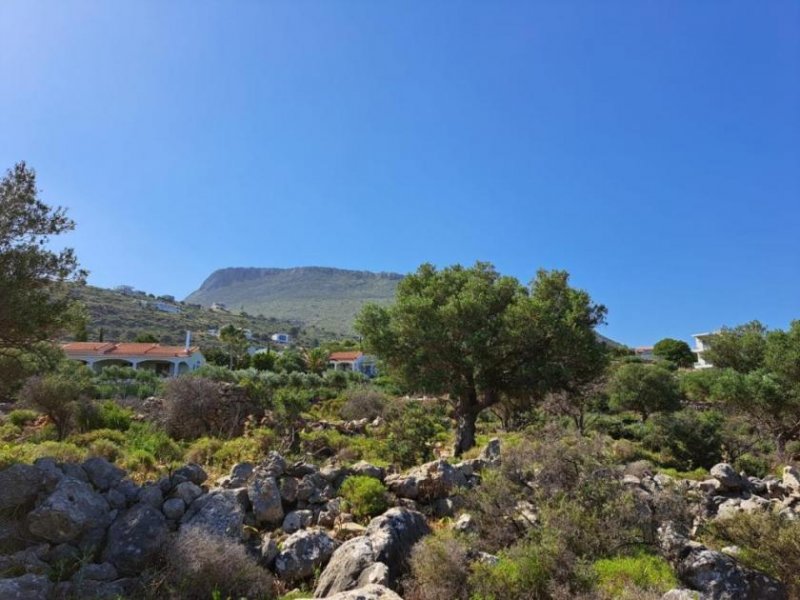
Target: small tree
[
  {"x": 56, "y": 396},
  {"x": 263, "y": 361},
  {"x": 644, "y": 388},
  {"x": 290, "y": 361},
  {"x": 235, "y": 343},
  {"x": 677, "y": 352},
  {"x": 317, "y": 360},
  {"x": 739, "y": 348}
]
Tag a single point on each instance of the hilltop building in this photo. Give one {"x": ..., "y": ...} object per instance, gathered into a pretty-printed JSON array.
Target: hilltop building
[{"x": 701, "y": 342}]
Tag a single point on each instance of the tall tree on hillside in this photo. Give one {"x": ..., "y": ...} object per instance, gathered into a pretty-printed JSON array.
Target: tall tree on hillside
[
  {"x": 34, "y": 303},
  {"x": 478, "y": 337},
  {"x": 317, "y": 360},
  {"x": 739, "y": 348}
]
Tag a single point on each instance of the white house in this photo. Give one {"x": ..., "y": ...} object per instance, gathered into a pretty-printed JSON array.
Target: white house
[
  {"x": 354, "y": 360},
  {"x": 281, "y": 338},
  {"x": 701, "y": 342},
  {"x": 169, "y": 361}
]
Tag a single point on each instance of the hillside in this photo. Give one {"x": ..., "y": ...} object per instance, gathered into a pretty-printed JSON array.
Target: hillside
[
  {"x": 324, "y": 297},
  {"x": 122, "y": 317}
]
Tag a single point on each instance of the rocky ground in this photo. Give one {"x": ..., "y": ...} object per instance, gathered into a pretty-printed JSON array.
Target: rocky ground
[{"x": 290, "y": 517}]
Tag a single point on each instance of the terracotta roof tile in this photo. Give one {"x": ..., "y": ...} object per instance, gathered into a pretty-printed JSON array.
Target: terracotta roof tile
[{"x": 339, "y": 356}]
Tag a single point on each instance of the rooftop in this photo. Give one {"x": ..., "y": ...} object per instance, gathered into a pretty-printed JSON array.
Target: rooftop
[{"x": 126, "y": 349}]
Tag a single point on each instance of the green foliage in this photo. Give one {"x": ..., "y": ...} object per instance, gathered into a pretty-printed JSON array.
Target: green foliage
[
  {"x": 35, "y": 304},
  {"x": 105, "y": 448},
  {"x": 643, "y": 388},
  {"x": 291, "y": 360},
  {"x": 363, "y": 402},
  {"x": 476, "y": 336},
  {"x": 148, "y": 438},
  {"x": 263, "y": 361},
  {"x": 21, "y": 417},
  {"x": 146, "y": 338},
  {"x": 57, "y": 397},
  {"x": 364, "y": 496},
  {"x": 692, "y": 438},
  {"x": 103, "y": 415},
  {"x": 677, "y": 352},
  {"x": 118, "y": 382},
  {"x": 235, "y": 343},
  {"x": 739, "y": 348},
  {"x": 410, "y": 432},
  {"x": 643, "y": 571}
]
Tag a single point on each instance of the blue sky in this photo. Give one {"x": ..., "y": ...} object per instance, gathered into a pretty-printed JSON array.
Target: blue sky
[{"x": 652, "y": 149}]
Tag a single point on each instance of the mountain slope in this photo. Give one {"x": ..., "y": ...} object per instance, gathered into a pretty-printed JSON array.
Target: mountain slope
[{"x": 317, "y": 296}]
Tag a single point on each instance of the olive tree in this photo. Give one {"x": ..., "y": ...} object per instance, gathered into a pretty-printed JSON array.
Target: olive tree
[{"x": 477, "y": 337}]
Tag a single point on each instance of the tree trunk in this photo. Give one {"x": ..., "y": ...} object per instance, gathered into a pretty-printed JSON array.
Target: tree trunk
[{"x": 467, "y": 411}]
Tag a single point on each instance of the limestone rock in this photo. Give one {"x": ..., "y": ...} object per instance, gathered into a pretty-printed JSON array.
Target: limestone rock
[
  {"x": 427, "y": 482},
  {"x": 19, "y": 485},
  {"x": 302, "y": 553},
  {"x": 135, "y": 539},
  {"x": 26, "y": 587},
  {"x": 73, "y": 508},
  {"x": 102, "y": 473},
  {"x": 219, "y": 513},
  {"x": 297, "y": 519},
  {"x": 729, "y": 480},
  {"x": 265, "y": 497}
]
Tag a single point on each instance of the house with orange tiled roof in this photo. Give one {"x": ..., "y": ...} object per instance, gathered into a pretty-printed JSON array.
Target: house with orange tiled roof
[
  {"x": 168, "y": 361},
  {"x": 353, "y": 360}
]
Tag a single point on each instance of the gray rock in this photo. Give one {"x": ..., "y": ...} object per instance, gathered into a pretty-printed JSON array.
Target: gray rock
[
  {"x": 729, "y": 480},
  {"x": 116, "y": 499},
  {"x": 716, "y": 575},
  {"x": 128, "y": 489},
  {"x": 465, "y": 524},
  {"x": 297, "y": 519},
  {"x": 75, "y": 471},
  {"x": 334, "y": 474},
  {"x": 329, "y": 512},
  {"x": 19, "y": 485},
  {"x": 289, "y": 487},
  {"x": 192, "y": 473},
  {"x": 366, "y": 469},
  {"x": 273, "y": 465},
  {"x": 239, "y": 476},
  {"x": 268, "y": 551},
  {"x": 151, "y": 495},
  {"x": 377, "y": 574},
  {"x": 174, "y": 508},
  {"x": 301, "y": 469},
  {"x": 29, "y": 560},
  {"x": 102, "y": 473},
  {"x": 368, "y": 592},
  {"x": 302, "y": 553},
  {"x": 135, "y": 539},
  {"x": 314, "y": 489},
  {"x": 220, "y": 512},
  {"x": 388, "y": 539},
  {"x": 73, "y": 508},
  {"x": 491, "y": 453},
  {"x": 427, "y": 482},
  {"x": 103, "y": 590},
  {"x": 681, "y": 594},
  {"x": 791, "y": 479},
  {"x": 265, "y": 498},
  {"x": 98, "y": 572},
  {"x": 26, "y": 587},
  {"x": 187, "y": 491}
]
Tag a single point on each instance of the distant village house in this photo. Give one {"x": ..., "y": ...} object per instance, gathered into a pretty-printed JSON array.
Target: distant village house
[
  {"x": 281, "y": 338},
  {"x": 353, "y": 361}
]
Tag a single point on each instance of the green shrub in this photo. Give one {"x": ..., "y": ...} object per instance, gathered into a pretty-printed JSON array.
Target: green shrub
[
  {"x": 106, "y": 449},
  {"x": 56, "y": 396},
  {"x": 9, "y": 432},
  {"x": 103, "y": 415},
  {"x": 411, "y": 430},
  {"x": 202, "y": 450},
  {"x": 154, "y": 441},
  {"x": 363, "y": 402},
  {"x": 752, "y": 464},
  {"x": 693, "y": 438},
  {"x": 60, "y": 451},
  {"x": 643, "y": 571},
  {"x": 364, "y": 496},
  {"x": 138, "y": 461},
  {"x": 439, "y": 568},
  {"x": 21, "y": 417},
  {"x": 86, "y": 439}
]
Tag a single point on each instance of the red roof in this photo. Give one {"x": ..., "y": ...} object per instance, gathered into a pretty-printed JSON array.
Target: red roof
[
  {"x": 345, "y": 356},
  {"x": 126, "y": 349}
]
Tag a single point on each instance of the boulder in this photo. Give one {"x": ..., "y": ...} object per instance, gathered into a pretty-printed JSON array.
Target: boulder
[
  {"x": 368, "y": 592},
  {"x": 192, "y": 472},
  {"x": 681, "y": 594},
  {"x": 466, "y": 524},
  {"x": 265, "y": 497},
  {"x": 97, "y": 572},
  {"x": 289, "y": 486},
  {"x": 273, "y": 465},
  {"x": 220, "y": 512},
  {"x": 388, "y": 539},
  {"x": 239, "y": 476},
  {"x": 152, "y": 495},
  {"x": 29, "y": 560},
  {"x": 366, "y": 469},
  {"x": 19, "y": 485},
  {"x": 729, "y": 480},
  {"x": 302, "y": 553},
  {"x": 329, "y": 513},
  {"x": 26, "y": 587},
  {"x": 314, "y": 489},
  {"x": 427, "y": 482},
  {"x": 791, "y": 479},
  {"x": 135, "y": 539},
  {"x": 173, "y": 508},
  {"x": 297, "y": 519},
  {"x": 491, "y": 452},
  {"x": 268, "y": 550},
  {"x": 102, "y": 473},
  {"x": 716, "y": 575},
  {"x": 73, "y": 508},
  {"x": 187, "y": 491}
]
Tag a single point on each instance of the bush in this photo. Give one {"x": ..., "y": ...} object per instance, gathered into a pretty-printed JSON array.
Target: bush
[
  {"x": 56, "y": 396},
  {"x": 410, "y": 432},
  {"x": 439, "y": 568},
  {"x": 692, "y": 438},
  {"x": 60, "y": 451},
  {"x": 139, "y": 460},
  {"x": 202, "y": 565},
  {"x": 768, "y": 543},
  {"x": 643, "y": 571},
  {"x": 363, "y": 402},
  {"x": 103, "y": 415},
  {"x": 364, "y": 496},
  {"x": 202, "y": 450},
  {"x": 86, "y": 439},
  {"x": 21, "y": 417},
  {"x": 146, "y": 437},
  {"x": 106, "y": 449}
]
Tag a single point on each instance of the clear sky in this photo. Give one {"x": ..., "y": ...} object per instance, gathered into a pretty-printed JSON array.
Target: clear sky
[{"x": 652, "y": 149}]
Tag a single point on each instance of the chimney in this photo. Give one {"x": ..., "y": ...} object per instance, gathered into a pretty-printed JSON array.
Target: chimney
[{"x": 188, "y": 339}]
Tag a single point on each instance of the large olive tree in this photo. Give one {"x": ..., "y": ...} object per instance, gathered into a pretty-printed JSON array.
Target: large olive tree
[{"x": 479, "y": 337}]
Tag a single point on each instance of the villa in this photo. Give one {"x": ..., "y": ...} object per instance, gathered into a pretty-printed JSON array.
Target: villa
[
  {"x": 353, "y": 361},
  {"x": 168, "y": 361},
  {"x": 701, "y": 341}
]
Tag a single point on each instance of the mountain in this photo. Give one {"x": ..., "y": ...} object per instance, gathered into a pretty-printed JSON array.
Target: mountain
[
  {"x": 123, "y": 316},
  {"x": 316, "y": 296}
]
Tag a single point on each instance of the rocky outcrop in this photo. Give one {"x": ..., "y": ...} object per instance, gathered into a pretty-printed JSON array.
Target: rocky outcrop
[
  {"x": 135, "y": 539},
  {"x": 716, "y": 575},
  {"x": 388, "y": 540},
  {"x": 367, "y": 592},
  {"x": 72, "y": 509},
  {"x": 302, "y": 553},
  {"x": 428, "y": 482}
]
